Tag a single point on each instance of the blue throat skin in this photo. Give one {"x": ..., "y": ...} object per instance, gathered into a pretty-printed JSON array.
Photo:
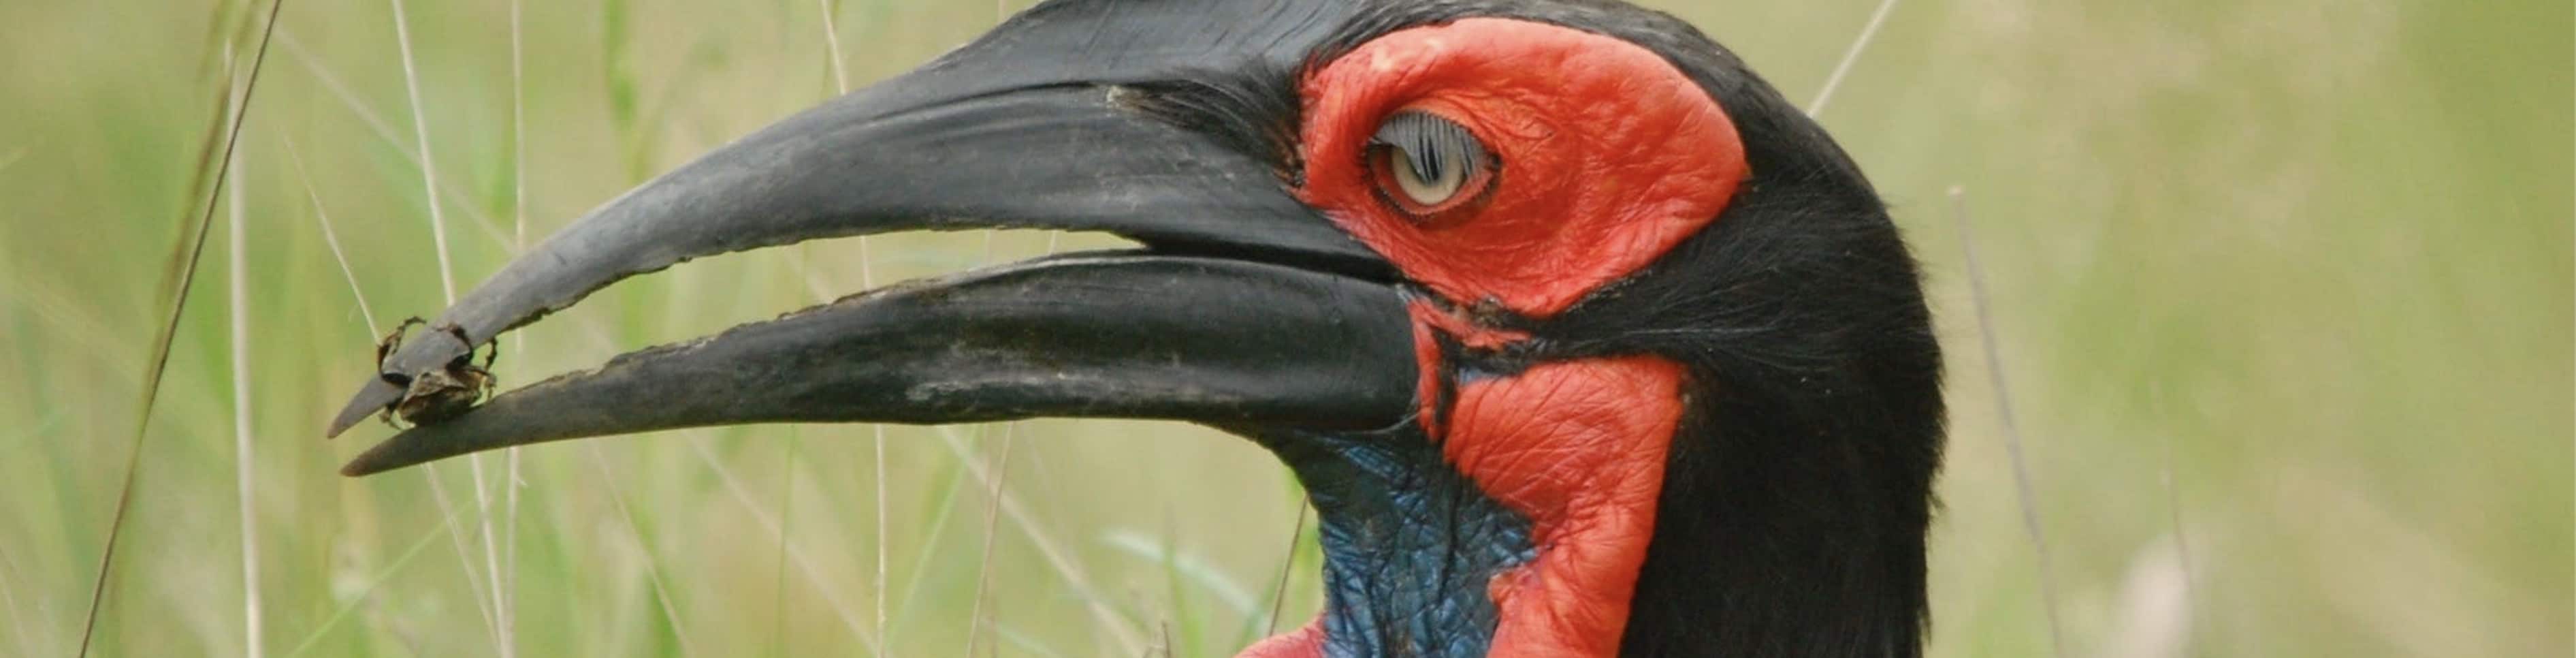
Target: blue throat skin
[{"x": 1408, "y": 542}]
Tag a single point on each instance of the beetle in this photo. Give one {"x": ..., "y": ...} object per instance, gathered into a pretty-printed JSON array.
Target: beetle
[{"x": 440, "y": 394}]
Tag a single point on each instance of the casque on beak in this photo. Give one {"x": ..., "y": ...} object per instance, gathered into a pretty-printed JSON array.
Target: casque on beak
[{"x": 1246, "y": 309}]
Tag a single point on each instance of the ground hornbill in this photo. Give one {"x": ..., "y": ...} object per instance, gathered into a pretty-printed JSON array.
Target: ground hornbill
[{"x": 1582, "y": 339}]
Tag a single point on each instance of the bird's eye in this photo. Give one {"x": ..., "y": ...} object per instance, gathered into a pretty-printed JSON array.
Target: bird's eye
[{"x": 1426, "y": 165}]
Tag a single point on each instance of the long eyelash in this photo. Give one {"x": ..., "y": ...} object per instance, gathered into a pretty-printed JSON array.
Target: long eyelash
[{"x": 1431, "y": 145}]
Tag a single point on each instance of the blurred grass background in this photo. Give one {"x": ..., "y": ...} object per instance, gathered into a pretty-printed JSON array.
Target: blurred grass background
[{"x": 2285, "y": 283}]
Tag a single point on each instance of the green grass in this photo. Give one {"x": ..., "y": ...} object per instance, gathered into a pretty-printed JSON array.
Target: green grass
[{"x": 2295, "y": 275}]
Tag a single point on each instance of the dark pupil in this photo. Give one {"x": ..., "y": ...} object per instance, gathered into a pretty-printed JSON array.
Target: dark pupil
[{"x": 1431, "y": 145}]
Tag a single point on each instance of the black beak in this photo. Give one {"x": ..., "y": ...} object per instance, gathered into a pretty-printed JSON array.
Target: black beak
[{"x": 1246, "y": 309}]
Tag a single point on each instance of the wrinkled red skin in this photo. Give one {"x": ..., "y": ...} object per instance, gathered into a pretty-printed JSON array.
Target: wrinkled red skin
[
  {"x": 1579, "y": 447},
  {"x": 1610, "y": 157}
]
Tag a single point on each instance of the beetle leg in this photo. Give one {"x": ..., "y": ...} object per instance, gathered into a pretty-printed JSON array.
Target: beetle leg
[{"x": 393, "y": 339}]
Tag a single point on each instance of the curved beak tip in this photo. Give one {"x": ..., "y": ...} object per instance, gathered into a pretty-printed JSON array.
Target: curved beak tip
[
  {"x": 374, "y": 460},
  {"x": 371, "y": 398}
]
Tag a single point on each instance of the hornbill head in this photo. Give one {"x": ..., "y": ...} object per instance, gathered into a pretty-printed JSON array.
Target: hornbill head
[{"x": 1582, "y": 339}]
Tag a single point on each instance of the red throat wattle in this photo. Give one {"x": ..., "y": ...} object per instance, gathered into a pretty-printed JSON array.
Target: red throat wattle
[{"x": 1607, "y": 156}]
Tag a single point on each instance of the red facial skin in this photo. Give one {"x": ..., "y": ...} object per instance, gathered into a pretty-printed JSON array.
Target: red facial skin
[{"x": 1609, "y": 156}]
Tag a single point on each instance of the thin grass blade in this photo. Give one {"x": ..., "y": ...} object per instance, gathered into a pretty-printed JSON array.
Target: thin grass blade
[
  {"x": 184, "y": 268},
  {"x": 2004, "y": 412}
]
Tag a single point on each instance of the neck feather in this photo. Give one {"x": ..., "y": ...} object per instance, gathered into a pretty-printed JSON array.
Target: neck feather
[{"x": 1786, "y": 530}]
